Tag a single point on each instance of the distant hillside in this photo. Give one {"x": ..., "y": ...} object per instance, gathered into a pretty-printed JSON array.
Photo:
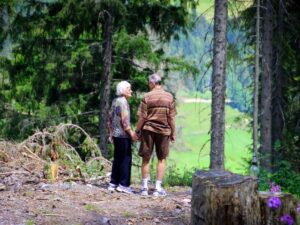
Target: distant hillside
[{"x": 196, "y": 48}]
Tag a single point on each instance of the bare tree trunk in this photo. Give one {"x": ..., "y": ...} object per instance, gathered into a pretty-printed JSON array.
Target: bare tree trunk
[
  {"x": 105, "y": 82},
  {"x": 256, "y": 79},
  {"x": 266, "y": 91},
  {"x": 270, "y": 216},
  {"x": 218, "y": 86},
  {"x": 223, "y": 198},
  {"x": 277, "y": 116}
]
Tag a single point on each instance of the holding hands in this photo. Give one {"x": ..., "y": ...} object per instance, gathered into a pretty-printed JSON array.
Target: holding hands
[{"x": 133, "y": 135}]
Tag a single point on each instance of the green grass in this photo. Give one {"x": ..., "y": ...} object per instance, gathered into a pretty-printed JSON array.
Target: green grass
[
  {"x": 206, "y": 8},
  {"x": 193, "y": 139},
  {"x": 193, "y": 94}
]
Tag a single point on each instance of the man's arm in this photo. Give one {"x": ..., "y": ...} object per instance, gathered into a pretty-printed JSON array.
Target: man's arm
[
  {"x": 140, "y": 124},
  {"x": 142, "y": 114},
  {"x": 172, "y": 120},
  {"x": 172, "y": 125}
]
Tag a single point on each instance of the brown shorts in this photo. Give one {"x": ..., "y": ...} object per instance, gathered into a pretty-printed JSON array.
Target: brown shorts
[{"x": 149, "y": 139}]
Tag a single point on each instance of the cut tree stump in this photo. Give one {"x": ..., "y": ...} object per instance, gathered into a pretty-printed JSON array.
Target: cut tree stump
[
  {"x": 223, "y": 198},
  {"x": 272, "y": 216}
]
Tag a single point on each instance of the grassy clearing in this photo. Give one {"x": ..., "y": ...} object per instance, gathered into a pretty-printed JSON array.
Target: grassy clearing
[
  {"x": 206, "y": 8},
  {"x": 192, "y": 147}
]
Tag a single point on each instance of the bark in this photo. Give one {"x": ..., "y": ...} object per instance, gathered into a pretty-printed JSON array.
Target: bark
[
  {"x": 272, "y": 216},
  {"x": 256, "y": 80},
  {"x": 223, "y": 198},
  {"x": 266, "y": 91},
  {"x": 277, "y": 110},
  {"x": 218, "y": 86},
  {"x": 105, "y": 82}
]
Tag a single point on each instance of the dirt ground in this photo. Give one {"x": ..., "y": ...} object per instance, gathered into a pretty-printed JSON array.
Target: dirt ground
[
  {"x": 72, "y": 203},
  {"x": 29, "y": 197}
]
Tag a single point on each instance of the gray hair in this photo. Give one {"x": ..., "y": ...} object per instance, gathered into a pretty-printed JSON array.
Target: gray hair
[
  {"x": 154, "y": 78},
  {"x": 121, "y": 87}
]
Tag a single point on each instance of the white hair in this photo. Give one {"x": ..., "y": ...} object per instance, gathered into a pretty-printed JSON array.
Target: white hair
[
  {"x": 121, "y": 87},
  {"x": 154, "y": 78}
]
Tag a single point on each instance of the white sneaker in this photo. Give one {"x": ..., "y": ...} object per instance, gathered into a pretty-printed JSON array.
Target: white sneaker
[
  {"x": 111, "y": 187},
  {"x": 144, "y": 192},
  {"x": 123, "y": 189},
  {"x": 160, "y": 193}
]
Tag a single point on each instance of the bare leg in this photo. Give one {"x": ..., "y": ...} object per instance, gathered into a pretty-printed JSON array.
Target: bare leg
[
  {"x": 145, "y": 168},
  {"x": 160, "y": 170}
]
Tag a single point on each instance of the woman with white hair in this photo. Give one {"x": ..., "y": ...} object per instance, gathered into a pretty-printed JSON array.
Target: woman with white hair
[{"x": 121, "y": 135}]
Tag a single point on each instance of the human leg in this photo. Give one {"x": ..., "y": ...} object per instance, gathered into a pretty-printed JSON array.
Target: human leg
[
  {"x": 160, "y": 169},
  {"x": 145, "y": 176},
  {"x": 162, "y": 151},
  {"x": 115, "y": 173},
  {"x": 145, "y": 151},
  {"x": 125, "y": 162}
]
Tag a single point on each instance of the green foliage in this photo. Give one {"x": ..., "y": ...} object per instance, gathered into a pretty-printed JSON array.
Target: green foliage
[
  {"x": 176, "y": 177},
  {"x": 29, "y": 222},
  {"x": 54, "y": 74},
  {"x": 90, "y": 207},
  {"x": 285, "y": 176}
]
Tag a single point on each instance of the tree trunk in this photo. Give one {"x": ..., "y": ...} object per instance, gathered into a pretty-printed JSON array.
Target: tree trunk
[
  {"x": 218, "y": 86},
  {"x": 266, "y": 92},
  {"x": 277, "y": 109},
  {"x": 223, "y": 198},
  {"x": 256, "y": 79},
  {"x": 272, "y": 216},
  {"x": 105, "y": 82}
]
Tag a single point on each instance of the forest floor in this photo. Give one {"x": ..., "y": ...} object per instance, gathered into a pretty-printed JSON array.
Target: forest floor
[
  {"x": 35, "y": 191},
  {"x": 78, "y": 203}
]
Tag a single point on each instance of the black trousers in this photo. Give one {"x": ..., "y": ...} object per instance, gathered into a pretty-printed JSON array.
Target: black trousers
[{"x": 121, "y": 169}]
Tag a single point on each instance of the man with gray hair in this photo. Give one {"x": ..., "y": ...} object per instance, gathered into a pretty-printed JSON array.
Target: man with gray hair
[{"x": 156, "y": 126}]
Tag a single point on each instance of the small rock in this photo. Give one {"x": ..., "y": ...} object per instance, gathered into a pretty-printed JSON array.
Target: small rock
[
  {"x": 16, "y": 187},
  {"x": 45, "y": 186},
  {"x": 178, "y": 206},
  {"x": 156, "y": 220},
  {"x": 2, "y": 187},
  {"x": 32, "y": 181},
  {"x": 103, "y": 220},
  {"x": 186, "y": 200},
  {"x": 66, "y": 186}
]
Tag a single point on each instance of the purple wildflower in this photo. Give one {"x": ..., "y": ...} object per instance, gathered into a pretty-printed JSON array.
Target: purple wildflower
[
  {"x": 287, "y": 219},
  {"x": 275, "y": 187},
  {"x": 298, "y": 209},
  {"x": 274, "y": 202}
]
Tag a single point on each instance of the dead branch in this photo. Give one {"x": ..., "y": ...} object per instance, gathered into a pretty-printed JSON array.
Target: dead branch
[{"x": 14, "y": 172}]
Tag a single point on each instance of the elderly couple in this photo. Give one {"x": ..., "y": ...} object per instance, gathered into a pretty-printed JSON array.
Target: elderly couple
[{"x": 156, "y": 126}]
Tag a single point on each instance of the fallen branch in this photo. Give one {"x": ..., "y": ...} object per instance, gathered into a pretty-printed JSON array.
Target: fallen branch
[
  {"x": 100, "y": 158},
  {"x": 52, "y": 214},
  {"x": 14, "y": 172},
  {"x": 34, "y": 156},
  {"x": 74, "y": 179}
]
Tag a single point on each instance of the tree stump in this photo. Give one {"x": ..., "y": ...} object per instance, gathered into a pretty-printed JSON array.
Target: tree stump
[
  {"x": 272, "y": 216},
  {"x": 223, "y": 198}
]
